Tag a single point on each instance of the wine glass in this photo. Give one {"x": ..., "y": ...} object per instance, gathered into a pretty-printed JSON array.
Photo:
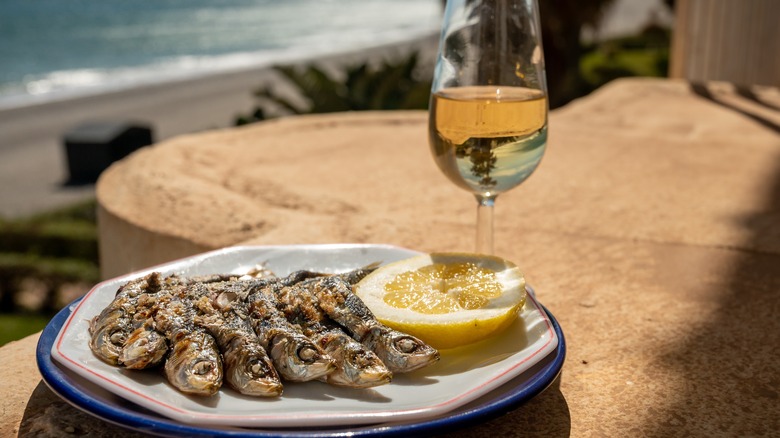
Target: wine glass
[{"x": 488, "y": 111}]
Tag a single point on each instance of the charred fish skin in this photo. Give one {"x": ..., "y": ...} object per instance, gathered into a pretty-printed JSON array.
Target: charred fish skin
[
  {"x": 399, "y": 351},
  {"x": 295, "y": 356},
  {"x": 145, "y": 348},
  {"x": 193, "y": 364},
  {"x": 249, "y": 331},
  {"x": 354, "y": 276},
  {"x": 247, "y": 367},
  {"x": 249, "y": 370},
  {"x": 109, "y": 331},
  {"x": 356, "y": 365}
]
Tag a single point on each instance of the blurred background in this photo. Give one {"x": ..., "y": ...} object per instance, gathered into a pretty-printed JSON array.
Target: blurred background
[{"x": 49, "y": 258}]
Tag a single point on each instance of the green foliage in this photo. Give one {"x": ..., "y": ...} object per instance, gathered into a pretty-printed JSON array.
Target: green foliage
[
  {"x": 85, "y": 211},
  {"x": 391, "y": 85},
  {"x": 645, "y": 54},
  {"x": 55, "y": 239},
  {"x": 55, "y": 248},
  {"x": 51, "y": 270},
  {"x": 20, "y": 325},
  {"x": 573, "y": 69}
]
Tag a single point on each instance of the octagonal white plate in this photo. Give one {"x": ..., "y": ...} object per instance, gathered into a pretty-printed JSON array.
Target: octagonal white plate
[{"x": 460, "y": 377}]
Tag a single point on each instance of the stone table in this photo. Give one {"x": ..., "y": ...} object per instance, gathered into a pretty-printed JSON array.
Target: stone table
[{"x": 650, "y": 231}]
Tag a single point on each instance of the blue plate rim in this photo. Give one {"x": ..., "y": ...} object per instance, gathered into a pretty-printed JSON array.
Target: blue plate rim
[{"x": 528, "y": 385}]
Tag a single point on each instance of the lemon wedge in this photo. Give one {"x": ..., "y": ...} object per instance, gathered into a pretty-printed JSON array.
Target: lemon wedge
[{"x": 446, "y": 299}]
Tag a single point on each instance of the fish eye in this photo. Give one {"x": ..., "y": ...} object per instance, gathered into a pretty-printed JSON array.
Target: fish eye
[
  {"x": 307, "y": 353},
  {"x": 202, "y": 367},
  {"x": 406, "y": 344},
  {"x": 256, "y": 368},
  {"x": 117, "y": 337}
]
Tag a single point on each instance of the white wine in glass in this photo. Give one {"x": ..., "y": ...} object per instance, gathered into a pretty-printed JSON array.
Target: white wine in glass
[{"x": 488, "y": 110}]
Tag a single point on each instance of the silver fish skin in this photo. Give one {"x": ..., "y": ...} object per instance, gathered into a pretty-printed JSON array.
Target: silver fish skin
[
  {"x": 399, "y": 351},
  {"x": 110, "y": 330},
  {"x": 193, "y": 364},
  {"x": 145, "y": 348},
  {"x": 296, "y": 357},
  {"x": 354, "y": 276},
  {"x": 247, "y": 367},
  {"x": 356, "y": 365}
]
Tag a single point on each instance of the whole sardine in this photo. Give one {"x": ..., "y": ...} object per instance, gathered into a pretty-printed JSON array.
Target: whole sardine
[
  {"x": 356, "y": 365},
  {"x": 248, "y": 369},
  {"x": 193, "y": 364},
  {"x": 145, "y": 348},
  {"x": 294, "y": 355},
  {"x": 399, "y": 351}
]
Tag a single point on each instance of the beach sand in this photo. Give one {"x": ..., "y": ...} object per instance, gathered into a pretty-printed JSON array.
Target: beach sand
[{"x": 33, "y": 168}]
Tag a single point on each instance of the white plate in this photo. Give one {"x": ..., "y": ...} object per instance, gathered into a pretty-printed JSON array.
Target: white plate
[{"x": 460, "y": 376}]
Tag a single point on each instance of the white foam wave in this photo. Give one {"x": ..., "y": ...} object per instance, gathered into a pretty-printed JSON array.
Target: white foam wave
[
  {"x": 297, "y": 46},
  {"x": 67, "y": 84}
]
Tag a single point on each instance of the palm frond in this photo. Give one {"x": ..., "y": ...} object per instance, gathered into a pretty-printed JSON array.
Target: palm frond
[{"x": 390, "y": 85}]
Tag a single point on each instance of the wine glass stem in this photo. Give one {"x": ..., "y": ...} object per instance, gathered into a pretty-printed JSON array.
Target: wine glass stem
[{"x": 485, "y": 224}]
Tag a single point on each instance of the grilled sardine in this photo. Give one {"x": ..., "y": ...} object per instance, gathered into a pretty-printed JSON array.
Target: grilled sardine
[
  {"x": 399, "y": 351},
  {"x": 356, "y": 365},
  {"x": 247, "y": 367},
  {"x": 193, "y": 364},
  {"x": 295, "y": 356}
]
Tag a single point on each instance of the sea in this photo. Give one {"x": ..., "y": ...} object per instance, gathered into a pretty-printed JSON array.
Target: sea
[{"x": 54, "y": 49}]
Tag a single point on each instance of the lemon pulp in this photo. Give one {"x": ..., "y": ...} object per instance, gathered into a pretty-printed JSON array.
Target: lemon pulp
[{"x": 443, "y": 288}]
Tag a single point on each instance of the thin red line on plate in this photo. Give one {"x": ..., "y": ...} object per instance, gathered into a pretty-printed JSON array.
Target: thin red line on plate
[
  {"x": 80, "y": 365},
  {"x": 377, "y": 415},
  {"x": 551, "y": 336},
  {"x": 120, "y": 279},
  {"x": 316, "y": 416}
]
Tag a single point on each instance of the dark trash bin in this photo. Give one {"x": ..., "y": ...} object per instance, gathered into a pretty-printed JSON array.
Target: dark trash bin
[{"x": 92, "y": 147}]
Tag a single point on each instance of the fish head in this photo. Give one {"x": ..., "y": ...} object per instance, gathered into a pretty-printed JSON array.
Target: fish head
[
  {"x": 249, "y": 371},
  {"x": 358, "y": 367},
  {"x": 109, "y": 332},
  {"x": 145, "y": 348},
  {"x": 251, "y": 383},
  {"x": 298, "y": 359},
  {"x": 399, "y": 351},
  {"x": 193, "y": 365}
]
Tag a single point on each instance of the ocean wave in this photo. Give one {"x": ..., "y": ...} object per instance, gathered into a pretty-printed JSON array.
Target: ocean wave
[
  {"x": 71, "y": 83},
  {"x": 308, "y": 37}
]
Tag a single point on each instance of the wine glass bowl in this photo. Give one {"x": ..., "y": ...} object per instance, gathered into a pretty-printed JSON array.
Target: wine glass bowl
[{"x": 488, "y": 109}]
